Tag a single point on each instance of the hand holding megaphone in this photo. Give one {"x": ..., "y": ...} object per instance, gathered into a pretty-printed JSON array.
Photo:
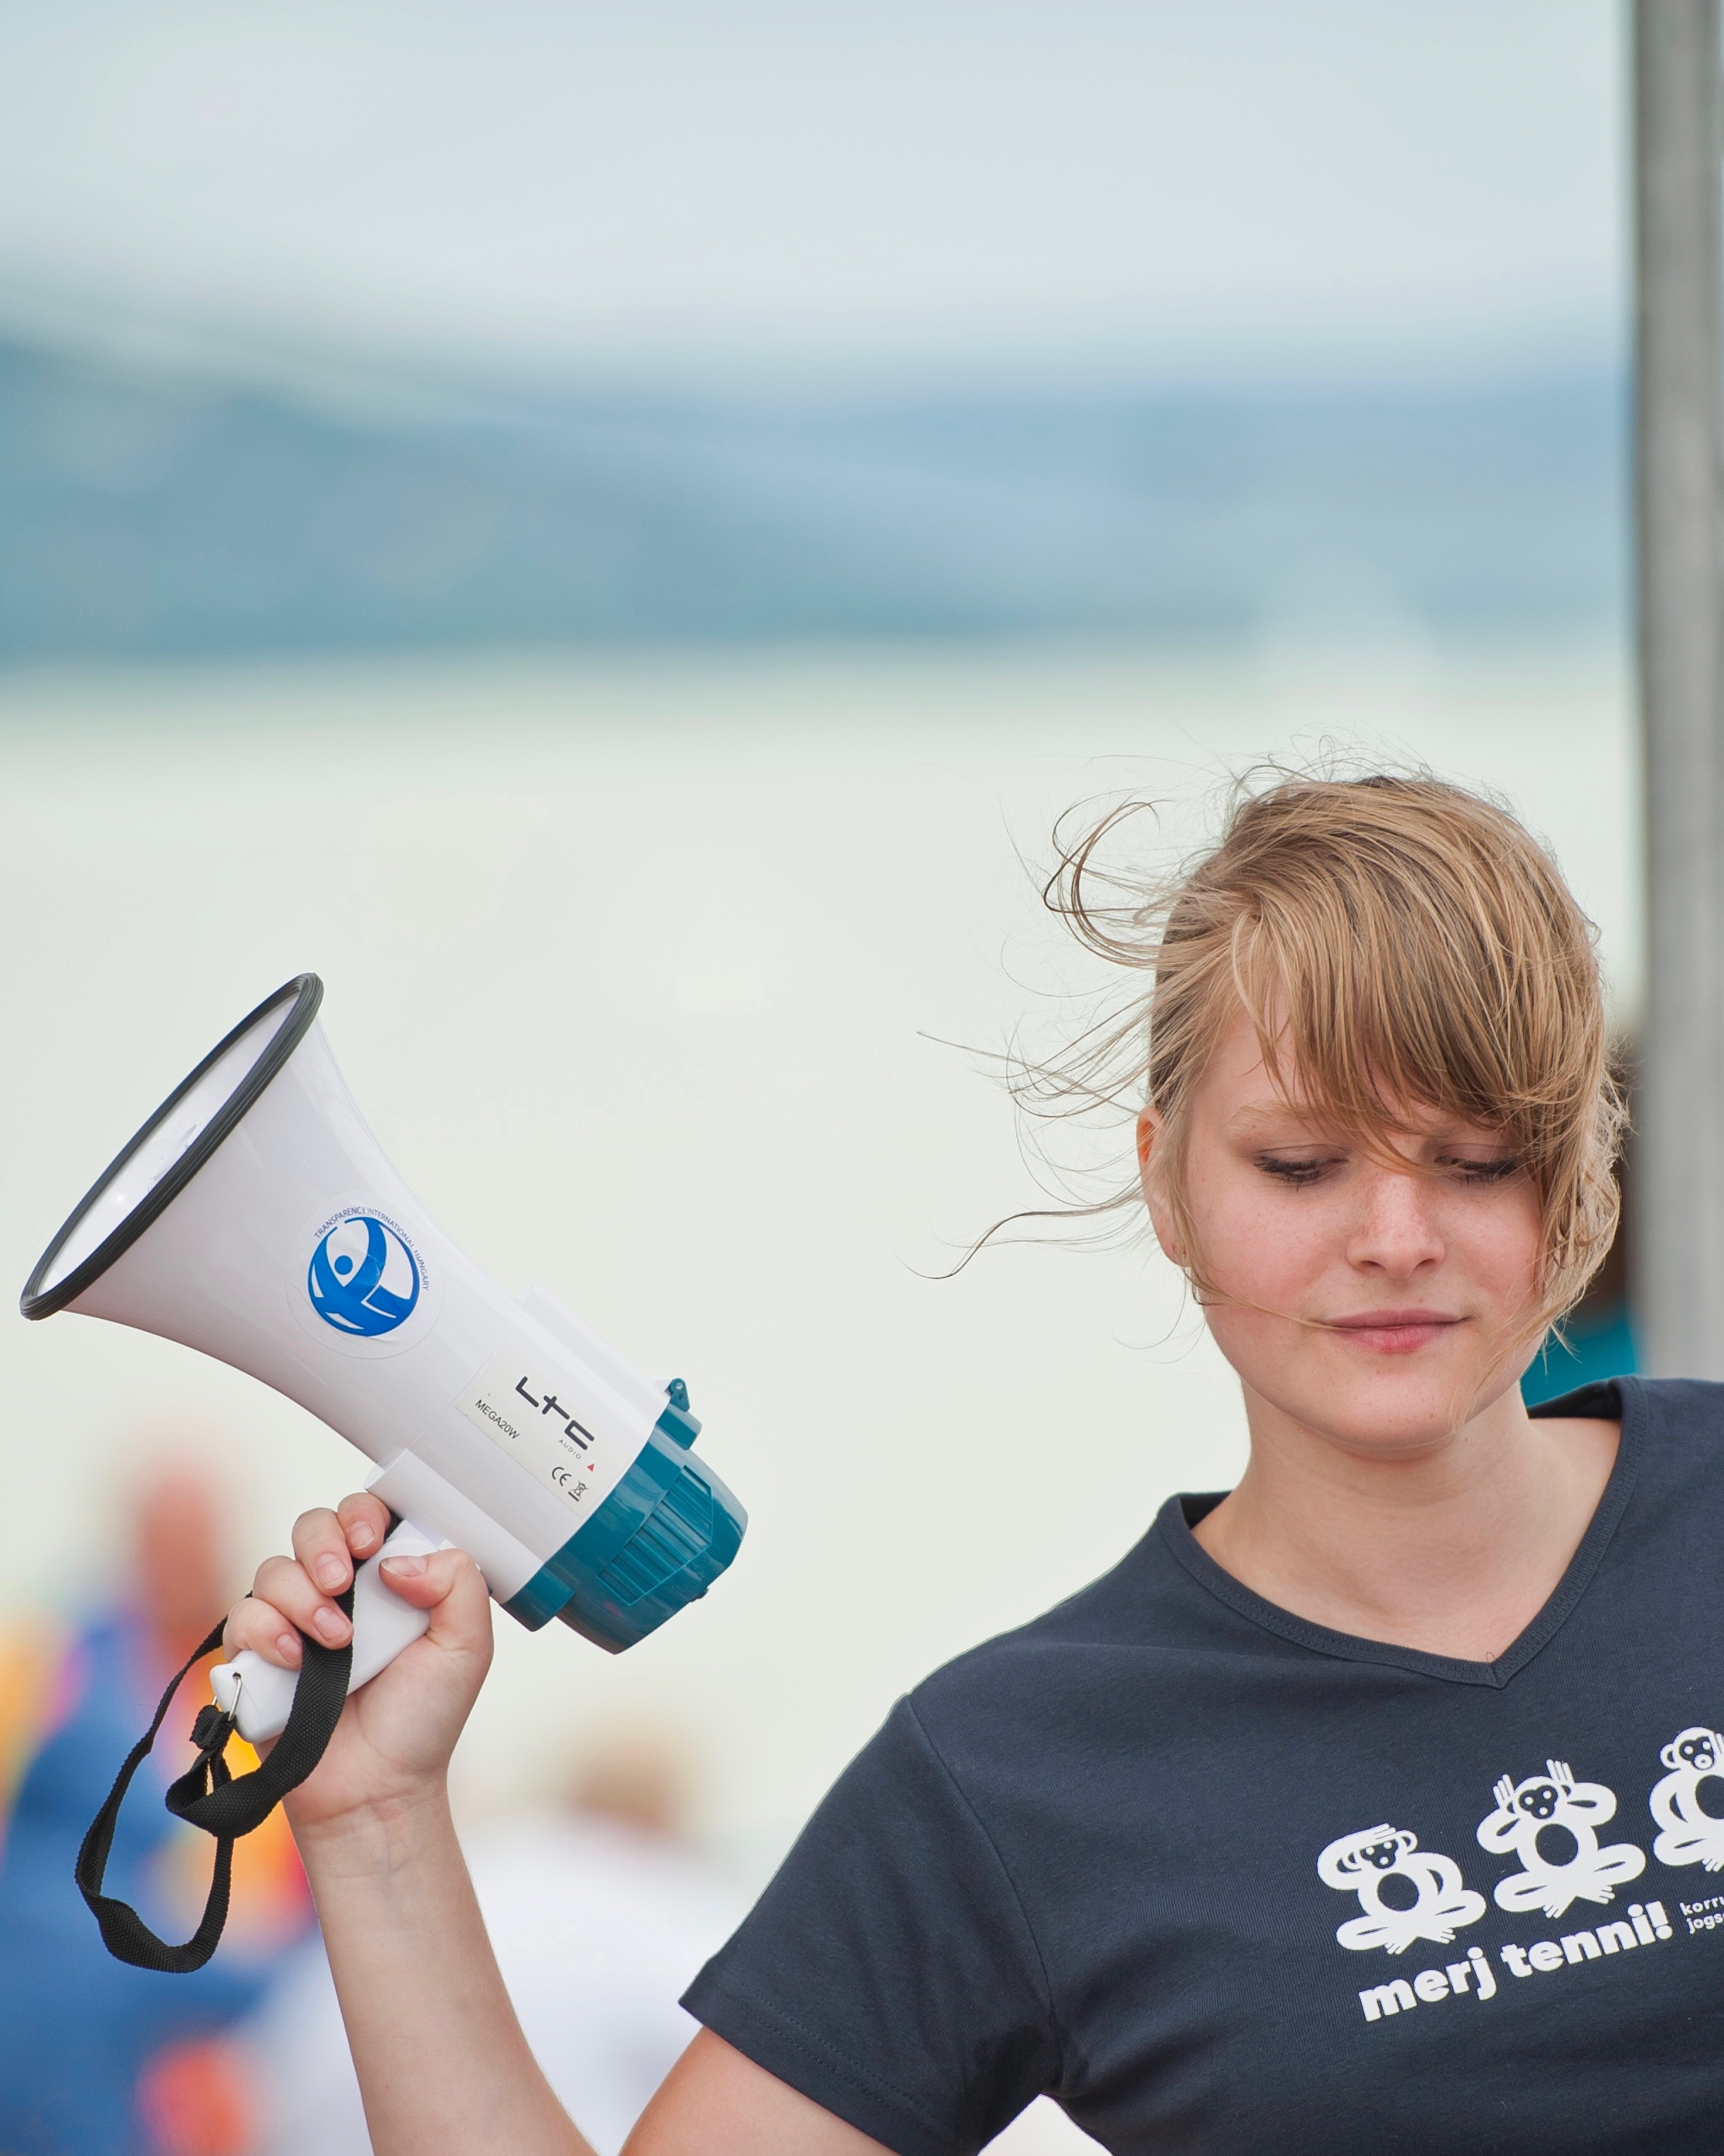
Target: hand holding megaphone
[
  {"x": 255, "y": 1219},
  {"x": 257, "y": 1696},
  {"x": 395, "y": 1745}
]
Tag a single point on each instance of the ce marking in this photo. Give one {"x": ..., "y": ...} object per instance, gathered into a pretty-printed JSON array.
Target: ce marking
[{"x": 566, "y": 1480}]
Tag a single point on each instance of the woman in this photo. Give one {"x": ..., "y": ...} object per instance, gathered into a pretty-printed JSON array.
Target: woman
[{"x": 1362, "y": 1808}]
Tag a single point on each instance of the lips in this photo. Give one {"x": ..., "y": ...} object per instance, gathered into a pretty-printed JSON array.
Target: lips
[{"x": 1395, "y": 1331}]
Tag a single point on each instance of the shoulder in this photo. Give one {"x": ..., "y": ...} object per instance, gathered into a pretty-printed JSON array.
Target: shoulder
[
  {"x": 1675, "y": 1406},
  {"x": 1676, "y": 1415},
  {"x": 1685, "y": 1403},
  {"x": 1672, "y": 1432},
  {"x": 1662, "y": 1512},
  {"x": 1673, "y": 1425}
]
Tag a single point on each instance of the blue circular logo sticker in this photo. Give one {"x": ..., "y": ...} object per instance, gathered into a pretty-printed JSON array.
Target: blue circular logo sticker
[{"x": 364, "y": 1280}]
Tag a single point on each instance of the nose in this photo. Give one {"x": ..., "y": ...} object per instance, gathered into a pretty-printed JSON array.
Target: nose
[{"x": 1396, "y": 1233}]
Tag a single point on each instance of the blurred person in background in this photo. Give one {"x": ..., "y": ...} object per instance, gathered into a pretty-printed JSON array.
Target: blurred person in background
[
  {"x": 98, "y": 2059},
  {"x": 605, "y": 1884}
]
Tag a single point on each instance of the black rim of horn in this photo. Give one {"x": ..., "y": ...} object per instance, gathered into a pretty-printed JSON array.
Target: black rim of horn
[{"x": 305, "y": 991}]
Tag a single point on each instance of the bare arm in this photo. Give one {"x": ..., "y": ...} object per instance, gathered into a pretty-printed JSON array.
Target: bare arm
[{"x": 442, "y": 2065}]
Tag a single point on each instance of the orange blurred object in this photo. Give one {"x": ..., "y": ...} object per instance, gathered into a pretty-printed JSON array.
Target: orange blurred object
[
  {"x": 200, "y": 2099},
  {"x": 271, "y": 1902},
  {"x": 33, "y": 1657},
  {"x": 179, "y": 1560}
]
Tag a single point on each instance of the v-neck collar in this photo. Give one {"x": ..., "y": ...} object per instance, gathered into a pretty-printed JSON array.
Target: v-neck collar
[{"x": 1174, "y": 1523}]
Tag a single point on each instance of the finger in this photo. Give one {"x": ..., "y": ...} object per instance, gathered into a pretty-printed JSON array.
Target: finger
[
  {"x": 450, "y": 1585},
  {"x": 264, "y": 1629},
  {"x": 364, "y": 1521},
  {"x": 320, "y": 1543},
  {"x": 286, "y": 1587}
]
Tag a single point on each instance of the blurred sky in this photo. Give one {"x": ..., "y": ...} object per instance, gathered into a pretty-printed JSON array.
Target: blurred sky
[{"x": 1347, "y": 186}]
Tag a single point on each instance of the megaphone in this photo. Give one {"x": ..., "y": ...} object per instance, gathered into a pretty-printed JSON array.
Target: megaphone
[{"x": 255, "y": 1219}]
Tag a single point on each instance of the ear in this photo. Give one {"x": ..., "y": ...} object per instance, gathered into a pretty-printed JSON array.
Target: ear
[{"x": 1151, "y": 1132}]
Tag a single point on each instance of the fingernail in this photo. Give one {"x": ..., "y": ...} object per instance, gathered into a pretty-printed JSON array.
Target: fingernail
[
  {"x": 331, "y": 1625},
  {"x": 330, "y": 1571},
  {"x": 288, "y": 1643},
  {"x": 361, "y": 1536},
  {"x": 409, "y": 1567}
]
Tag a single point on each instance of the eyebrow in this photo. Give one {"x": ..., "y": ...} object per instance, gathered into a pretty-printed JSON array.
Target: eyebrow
[
  {"x": 1276, "y": 1118},
  {"x": 1308, "y": 1125}
]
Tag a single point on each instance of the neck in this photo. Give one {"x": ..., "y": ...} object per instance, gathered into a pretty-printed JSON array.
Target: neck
[{"x": 1452, "y": 1548}]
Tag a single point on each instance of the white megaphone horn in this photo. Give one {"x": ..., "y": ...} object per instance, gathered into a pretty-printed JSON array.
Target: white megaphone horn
[{"x": 255, "y": 1219}]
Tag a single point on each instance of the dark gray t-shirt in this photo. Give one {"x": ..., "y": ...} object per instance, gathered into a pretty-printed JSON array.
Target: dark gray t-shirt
[{"x": 1217, "y": 1879}]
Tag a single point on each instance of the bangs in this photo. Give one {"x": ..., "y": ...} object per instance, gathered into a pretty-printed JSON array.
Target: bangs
[{"x": 1389, "y": 961}]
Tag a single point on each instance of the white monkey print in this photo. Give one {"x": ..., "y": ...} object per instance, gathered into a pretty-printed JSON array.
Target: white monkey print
[
  {"x": 1551, "y": 1801},
  {"x": 1362, "y": 1864},
  {"x": 1691, "y": 1834}
]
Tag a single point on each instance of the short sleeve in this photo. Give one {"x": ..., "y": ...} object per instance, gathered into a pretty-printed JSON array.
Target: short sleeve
[{"x": 888, "y": 1972}]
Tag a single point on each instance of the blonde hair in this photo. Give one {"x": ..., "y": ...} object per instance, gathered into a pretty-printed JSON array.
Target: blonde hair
[{"x": 1394, "y": 940}]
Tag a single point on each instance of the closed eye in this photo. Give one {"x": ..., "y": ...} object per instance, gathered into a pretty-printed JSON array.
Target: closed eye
[
  {"x": 1480, "y": 1171},
  {"x": 1301, "y": 1170},
  {"x": 1298, "y": 1172}
]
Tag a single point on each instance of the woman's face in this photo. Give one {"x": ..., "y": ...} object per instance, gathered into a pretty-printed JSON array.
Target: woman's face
[{"x": 1380, "y": 1307}]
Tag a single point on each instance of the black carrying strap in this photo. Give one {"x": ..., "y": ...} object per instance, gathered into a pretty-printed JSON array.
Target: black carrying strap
[{"x": 210, "y": 1797}]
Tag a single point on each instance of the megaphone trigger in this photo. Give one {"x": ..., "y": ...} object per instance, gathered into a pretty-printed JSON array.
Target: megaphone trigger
[{"x": 255, "y": 1219}]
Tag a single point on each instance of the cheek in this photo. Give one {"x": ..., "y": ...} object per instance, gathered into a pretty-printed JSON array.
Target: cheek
[
  {"x": 1260, "y": 1246},
  {"x": 1281, "y": 1253},
  {"x": 1496, "y": 1243}
]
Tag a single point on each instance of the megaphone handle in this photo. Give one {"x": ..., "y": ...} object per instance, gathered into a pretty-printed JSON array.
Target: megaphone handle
[{"x": 259, "y": 1696}]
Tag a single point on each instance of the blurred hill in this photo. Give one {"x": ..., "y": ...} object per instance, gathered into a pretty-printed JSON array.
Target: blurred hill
[{"x": 146, "y": 512}]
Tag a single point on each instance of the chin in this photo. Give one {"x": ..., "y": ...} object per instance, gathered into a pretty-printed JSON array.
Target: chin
[
  {"x": 1402, "y": 1405},
  {"x": 1409, "y": 1430}
]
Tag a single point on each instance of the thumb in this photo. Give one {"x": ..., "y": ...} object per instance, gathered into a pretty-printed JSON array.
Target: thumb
[{"x": 447, "y": 1583}]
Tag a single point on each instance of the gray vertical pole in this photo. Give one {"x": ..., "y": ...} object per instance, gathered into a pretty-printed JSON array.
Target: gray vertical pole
[{"x": 1677, "y": 1245}]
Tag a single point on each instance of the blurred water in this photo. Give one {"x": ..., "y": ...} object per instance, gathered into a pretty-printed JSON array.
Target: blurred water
[
  {"x": 161, "y": 512},
  {"x": 634, "y": 968}
]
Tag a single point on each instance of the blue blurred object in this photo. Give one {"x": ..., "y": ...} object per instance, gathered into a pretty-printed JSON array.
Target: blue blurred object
[
  {"x": 1604, "y": 1348},
  {"x": 143, "y": 513},
  {"x": 78, "y": 2028}
]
